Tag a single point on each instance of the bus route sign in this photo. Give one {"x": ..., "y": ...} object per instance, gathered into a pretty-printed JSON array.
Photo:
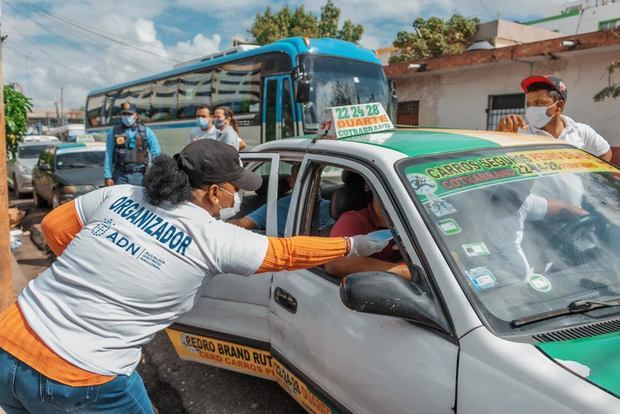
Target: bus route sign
[{"x": 347, "y": 121}]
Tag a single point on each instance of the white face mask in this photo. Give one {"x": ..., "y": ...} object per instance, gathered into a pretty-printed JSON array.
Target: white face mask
[
  {"x": 536, "y": 116},
  {"x": 229, "y": 212}
]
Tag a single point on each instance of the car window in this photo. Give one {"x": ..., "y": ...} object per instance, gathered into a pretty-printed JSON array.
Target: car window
[
  {"x": 339, "y": 203},
  {"x": 31, "y": 151},
  {"x": 84, "y": 159}
]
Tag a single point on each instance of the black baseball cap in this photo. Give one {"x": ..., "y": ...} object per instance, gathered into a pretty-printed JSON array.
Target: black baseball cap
[
  {"x": 128, "y": 108},
  {"x": 555, "y": 83},
  {"x": 208, "y": 161}
]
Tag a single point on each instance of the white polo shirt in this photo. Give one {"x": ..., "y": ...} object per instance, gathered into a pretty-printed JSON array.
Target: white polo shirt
[
  {"x": 577, "y": 134},
  {"x": 568, "y": 187},
  {"x": 130, "y": 272}
]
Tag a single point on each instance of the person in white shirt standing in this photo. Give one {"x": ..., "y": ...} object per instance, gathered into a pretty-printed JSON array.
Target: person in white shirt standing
[
  {"x": 545, "y": 101},
  {"x": 204, "y": 125}
]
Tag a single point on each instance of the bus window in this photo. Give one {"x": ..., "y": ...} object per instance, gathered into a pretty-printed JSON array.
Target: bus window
[
  {"x": 164, "y": 100},
  {"x": 288, "y": 122},
  {"x": 94, "y": 106},
  {"x": 271, "y": 90},
  {"x": 140, "y": 96},
  {"x": 276, "y": 63},
  {"x": 194, "y": 90},
  {"x": 237, "y": 85}
]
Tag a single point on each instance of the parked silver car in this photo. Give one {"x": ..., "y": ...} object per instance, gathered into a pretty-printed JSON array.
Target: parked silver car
[{"x": 20, "y": 168}]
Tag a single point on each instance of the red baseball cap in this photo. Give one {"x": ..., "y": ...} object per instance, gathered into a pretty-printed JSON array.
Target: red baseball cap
[{"x": 555, "y": 83}]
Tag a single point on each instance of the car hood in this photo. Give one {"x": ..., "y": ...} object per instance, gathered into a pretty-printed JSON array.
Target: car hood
[
  {"x": 596, "y": 359},
  {"x": 28, "y": 162},
  {"x": 78, "y": 176}
]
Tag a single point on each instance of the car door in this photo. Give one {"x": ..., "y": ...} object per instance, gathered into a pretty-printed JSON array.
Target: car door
[
  {"x": 233, "y": 305},
  {"x": 40, "y": 176},
  {"x": 350, "y": 361}
]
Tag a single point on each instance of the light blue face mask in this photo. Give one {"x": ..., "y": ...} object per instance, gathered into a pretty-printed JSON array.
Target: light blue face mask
[
  {"x": 219, "y": 123},
  {"x": 203, "y": 123},
  {"x": 128, "y": 120}
]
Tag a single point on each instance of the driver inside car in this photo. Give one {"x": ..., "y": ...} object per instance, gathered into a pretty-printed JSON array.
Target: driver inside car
[
  {"x": 365, "y": 221},
  {"x": 257, "y": 219},
  {"x": 511, "y": 204}
]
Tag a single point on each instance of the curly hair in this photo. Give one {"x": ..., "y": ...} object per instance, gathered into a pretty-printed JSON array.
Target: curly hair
[{"x": 165, "y": 181}]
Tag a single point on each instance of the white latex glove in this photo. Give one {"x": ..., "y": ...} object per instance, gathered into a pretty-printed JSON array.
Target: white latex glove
[{"x": 369, "y": 244}]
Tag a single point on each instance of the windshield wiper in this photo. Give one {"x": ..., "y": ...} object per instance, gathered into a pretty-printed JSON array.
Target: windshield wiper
[{"x": 577, "y": 306}]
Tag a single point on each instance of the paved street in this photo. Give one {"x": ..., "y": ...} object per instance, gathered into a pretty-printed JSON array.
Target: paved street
[{"x": 175, "y": 386}]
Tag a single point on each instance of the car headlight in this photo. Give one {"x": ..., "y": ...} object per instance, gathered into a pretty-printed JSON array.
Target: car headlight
[{"x": 72, "y": 189}]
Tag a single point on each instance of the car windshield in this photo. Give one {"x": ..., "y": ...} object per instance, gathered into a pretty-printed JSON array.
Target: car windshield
[
  {"x": 80, "y": 160},
  {"x": 340, "y": 82},
  {"x": 31, "y": 151},
  {"x": 527, "y": 231}
]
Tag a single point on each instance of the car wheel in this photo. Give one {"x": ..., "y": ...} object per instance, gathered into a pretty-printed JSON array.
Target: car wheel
[
  {"x": 16, "y": 191},
  {"x": 55, "y": 200},
  {"x": 38, "y": 201}
]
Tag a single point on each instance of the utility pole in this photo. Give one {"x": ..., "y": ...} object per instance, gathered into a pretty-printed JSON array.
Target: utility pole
[
  {"x": 62, "y": 108},
  {"x": 6, "y": 275}
]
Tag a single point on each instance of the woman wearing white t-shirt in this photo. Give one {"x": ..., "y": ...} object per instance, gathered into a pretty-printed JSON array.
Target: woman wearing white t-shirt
[
  {"x": 224, "y": 120},
  {"x": 131, "y": 261}
]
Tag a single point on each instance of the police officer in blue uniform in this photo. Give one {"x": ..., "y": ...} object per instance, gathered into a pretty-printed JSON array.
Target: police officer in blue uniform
[{"x": 128, "y": 148}]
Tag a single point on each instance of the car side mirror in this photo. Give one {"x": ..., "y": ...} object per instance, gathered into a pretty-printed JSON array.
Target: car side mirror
[
  {"x": 45, "y": 167},
  {"x": 302, "y": 92},
  {"x": 383, "y": 293}
]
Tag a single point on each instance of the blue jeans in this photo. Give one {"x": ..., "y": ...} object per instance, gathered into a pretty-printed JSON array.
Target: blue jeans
[
  {"x": 24, "y": 390},
  {"x": 135, "y": 178}
]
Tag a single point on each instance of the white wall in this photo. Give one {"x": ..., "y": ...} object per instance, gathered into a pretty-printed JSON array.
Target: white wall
[
  {"x": 585, "y": 22},
  {"x": 459, "y": 98}
]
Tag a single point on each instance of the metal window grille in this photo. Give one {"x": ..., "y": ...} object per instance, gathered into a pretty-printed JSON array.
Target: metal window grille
[
  {"x": 408, "y": 113},
  {"x": 501, "y": 105}
]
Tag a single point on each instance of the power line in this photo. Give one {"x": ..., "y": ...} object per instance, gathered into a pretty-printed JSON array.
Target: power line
[
  {"x": 71, "y": 40},
  {"x": 83, "y": 76},
  {"x": 86, "y": 29}
]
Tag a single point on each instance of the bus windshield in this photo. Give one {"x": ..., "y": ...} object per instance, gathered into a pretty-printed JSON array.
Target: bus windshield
[{"x": 339, "y": 82}]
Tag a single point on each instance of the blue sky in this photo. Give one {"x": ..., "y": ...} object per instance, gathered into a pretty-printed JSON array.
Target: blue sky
[{"x": 45, "y": 48}]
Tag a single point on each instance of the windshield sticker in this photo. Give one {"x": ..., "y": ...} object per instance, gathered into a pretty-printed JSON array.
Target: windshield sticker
[
  {"x": 449, "y": 227},
  {"x": 476, "y": 249},
  {"x": 347, "y": 121},
  {"x": 481, "y": 277},
  {"x": 440, "y": 207},
  {"x": 539, "y": 282},
  {"x": 463, "y": 174},
  {"x": 422, "y": 184}
]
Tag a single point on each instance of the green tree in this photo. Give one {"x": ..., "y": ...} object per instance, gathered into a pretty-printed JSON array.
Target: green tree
[
  {"x": 269, "y": 26},
  {"x": 435, "y": 37},
  {"x": 612, "y": 90},
  {"x": 16, "y": 108}
]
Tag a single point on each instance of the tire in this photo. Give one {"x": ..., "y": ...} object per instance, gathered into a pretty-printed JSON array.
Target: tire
[{"x": 38, "y": 201}]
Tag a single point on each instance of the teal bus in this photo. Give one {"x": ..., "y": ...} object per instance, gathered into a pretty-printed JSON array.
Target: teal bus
[{"x": 276, "y": 91}]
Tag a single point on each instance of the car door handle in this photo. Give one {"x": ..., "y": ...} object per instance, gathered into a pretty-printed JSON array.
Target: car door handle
[{"x": 285, "y": 299}]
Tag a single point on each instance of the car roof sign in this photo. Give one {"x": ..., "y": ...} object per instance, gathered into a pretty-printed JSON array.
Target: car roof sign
[{"x": 347, "y": 121}]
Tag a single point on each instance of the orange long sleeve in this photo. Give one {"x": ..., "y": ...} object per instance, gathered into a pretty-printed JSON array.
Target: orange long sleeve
[
  {"x": 60, "y": 227},
  {"x": 302, "y": 252}
]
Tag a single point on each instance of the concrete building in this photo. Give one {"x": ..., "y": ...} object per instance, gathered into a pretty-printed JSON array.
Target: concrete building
[
  {"x": 42, "y": 120},
  {"x": 475, "y": 89},
  {"x": 581, "y": 17}
]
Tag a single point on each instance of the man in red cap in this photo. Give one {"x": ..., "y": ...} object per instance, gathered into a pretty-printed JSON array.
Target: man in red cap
[{"x": 545, "y": 100}]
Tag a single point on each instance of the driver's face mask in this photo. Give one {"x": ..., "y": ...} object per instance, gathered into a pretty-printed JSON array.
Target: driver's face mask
[{"x": 226, "y": 213}]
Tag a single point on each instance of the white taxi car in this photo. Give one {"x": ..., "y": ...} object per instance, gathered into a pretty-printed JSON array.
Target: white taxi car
[{"x": 512, "y": 242}]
